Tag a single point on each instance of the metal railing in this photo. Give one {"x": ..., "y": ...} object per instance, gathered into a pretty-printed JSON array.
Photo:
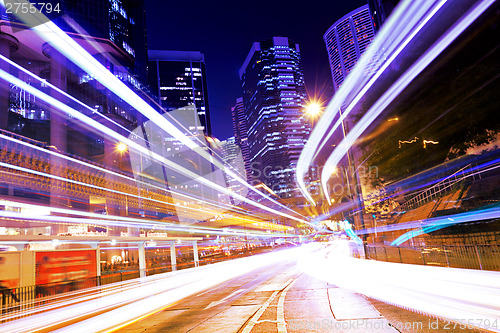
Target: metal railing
[
  {"x": 14, "y": 301},
  {"x": 481, "y": 257},
  {"x": 442, "y": 186}
]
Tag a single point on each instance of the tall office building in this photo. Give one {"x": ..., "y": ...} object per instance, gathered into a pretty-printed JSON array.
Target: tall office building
[
  {"x": 274, "y": 97},
  {"x": 121, "y": 22},
  {"x": 180, "y": 80},
  {"x": 232, "y": 157},
  {"x": 241, "y": 134},
  {"x": 346, "y": 40},
  {"x": 380, "y": 11},
  {"x": 113, "y": 31}
]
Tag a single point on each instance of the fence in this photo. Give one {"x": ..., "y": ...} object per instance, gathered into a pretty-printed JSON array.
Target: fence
[
  {"x": 14, "y": 302},
  {"x": 23, "y": 298},
  {"x": 438, "y": 189},
  {"x": 483, "y": 257}
]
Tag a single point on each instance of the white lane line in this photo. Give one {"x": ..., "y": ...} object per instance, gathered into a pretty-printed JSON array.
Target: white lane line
[
  {"x": 212, "y": 304},
  {"x": 255, "y": 318},
  {"x": 280, "y": 315}
]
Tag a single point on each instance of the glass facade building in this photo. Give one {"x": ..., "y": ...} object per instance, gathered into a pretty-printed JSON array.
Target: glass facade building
[
  {"x": 346, "y": 40},
  {"x": 380, "y": 11},
  {"x": 274, "y": 97},
  {"x": 241, "y": 134},
  {"x": 179, "y": 78},
  {"x": 113, "y": 31}
]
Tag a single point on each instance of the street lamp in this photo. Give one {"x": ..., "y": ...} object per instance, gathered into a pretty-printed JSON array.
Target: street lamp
[
  {"x": 121, "y": 147},
  {"x": 313, "y": 110}
]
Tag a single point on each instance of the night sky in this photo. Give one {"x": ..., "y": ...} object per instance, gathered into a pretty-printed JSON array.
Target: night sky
[{"x": 224, "y": 31}]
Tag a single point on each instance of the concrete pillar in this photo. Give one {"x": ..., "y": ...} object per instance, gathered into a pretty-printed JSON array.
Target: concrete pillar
[
  {"x": 98, "y": 259},
  {"x": 142, "y": 260},
  {"x": 58, "y": 133},
  {"x": 195, "y": 254},
  {"x": 20, "y": 247},
  {"x": 97, "y": 247},
  {"x": 133, "y": 231},
  {"x": 8, "y": 45},
  {"x": 173, "y": 258}
]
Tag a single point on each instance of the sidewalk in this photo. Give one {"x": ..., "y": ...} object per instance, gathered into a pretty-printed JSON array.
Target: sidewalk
[{"x": 306, "y": 304}]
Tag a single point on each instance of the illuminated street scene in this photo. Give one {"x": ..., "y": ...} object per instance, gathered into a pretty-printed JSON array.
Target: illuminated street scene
[{"x": 249, "y": 167}]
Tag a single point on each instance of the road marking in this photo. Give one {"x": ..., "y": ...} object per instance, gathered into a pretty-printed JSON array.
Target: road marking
[
  {"x": 272, "y": 287},
  {"x": 255, "y": 318},
  {"x": 212, "y": 304},
  {"x": 280, "y": 314}
]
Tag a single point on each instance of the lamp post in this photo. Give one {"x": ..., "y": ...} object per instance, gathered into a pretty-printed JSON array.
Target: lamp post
[
  {"x": 313, "y": 110},
  {"x": 356, "y": 186}
]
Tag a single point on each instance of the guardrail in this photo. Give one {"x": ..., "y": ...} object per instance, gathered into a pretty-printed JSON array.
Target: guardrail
[
  {"x": 480, "y": 257},
  {"x": 16, "y": 300},
  {"x": 440, "y": 187}
]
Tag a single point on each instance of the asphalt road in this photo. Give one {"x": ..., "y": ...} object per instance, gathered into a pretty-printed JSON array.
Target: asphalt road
[
  {"x": 282, "y": 299},
  {"x": 226, "y": 308},
  {"x": 267, "y": 293}
]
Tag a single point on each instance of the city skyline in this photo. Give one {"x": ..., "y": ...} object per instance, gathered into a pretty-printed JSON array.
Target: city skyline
[
  {"x": 179, "y": 78},
  {"x": 274, "y": 96},
  {"x": 109, "y": 184},
  {"x": 224, "y": 32}
]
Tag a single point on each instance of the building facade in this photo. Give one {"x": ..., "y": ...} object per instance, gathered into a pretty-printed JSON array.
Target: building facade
[
  {"x": 274, "y": 98},
  {"x": 346, "y": 40},
  {"x": 111, "y": 31},
  {"x": 179, "y": 78},
  {"x": 115, "y": 35},
  {"x": 241, "y": 135},
  {"x": 380, "y": 11}
]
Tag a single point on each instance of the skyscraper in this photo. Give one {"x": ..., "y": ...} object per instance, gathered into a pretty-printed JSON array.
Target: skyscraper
[
  {"x": 274, "y": 97},
  {"x": 241, "y": 134},
  {"x": 380, "y": 11},
  {"x": 180, "y": 80},
  {"x": 346, "y": 40},
  {"x": 119, "y": 22},
  {"x": 231, "y": 155},
  {"x": 113, "y": 31}
]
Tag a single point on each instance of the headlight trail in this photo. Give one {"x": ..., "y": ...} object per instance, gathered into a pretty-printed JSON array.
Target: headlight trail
[
  {"x": 461, "y": 295},
  {"x": 146, "y": 295},
  {"x": 431, "y": 54},
  {"x": 133, "y": 145},
  {"x": 388, "y": 41}
]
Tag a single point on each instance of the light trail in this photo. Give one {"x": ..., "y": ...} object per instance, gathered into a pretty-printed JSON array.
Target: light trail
[
  {"x": 228, "y": 207},
  {"x": 64, "y": 44},
  {"x": 471, "y": 216},
  {"x": 62, "y": 92},
  {"x": 133, "y": 145},
  {"x": 369, "y": 117},
  {"x": 219, "y": 204},
  {"x": 96, "y": 187},
  {"x": 408, "y": 185},
  {"x": 141, "y": 223},
  {"x": 390, "y": 40},
  {"x": 142, "y": 297},
  {"x": 471, "y": 297},
  {"x": 66, "y": 95}
]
